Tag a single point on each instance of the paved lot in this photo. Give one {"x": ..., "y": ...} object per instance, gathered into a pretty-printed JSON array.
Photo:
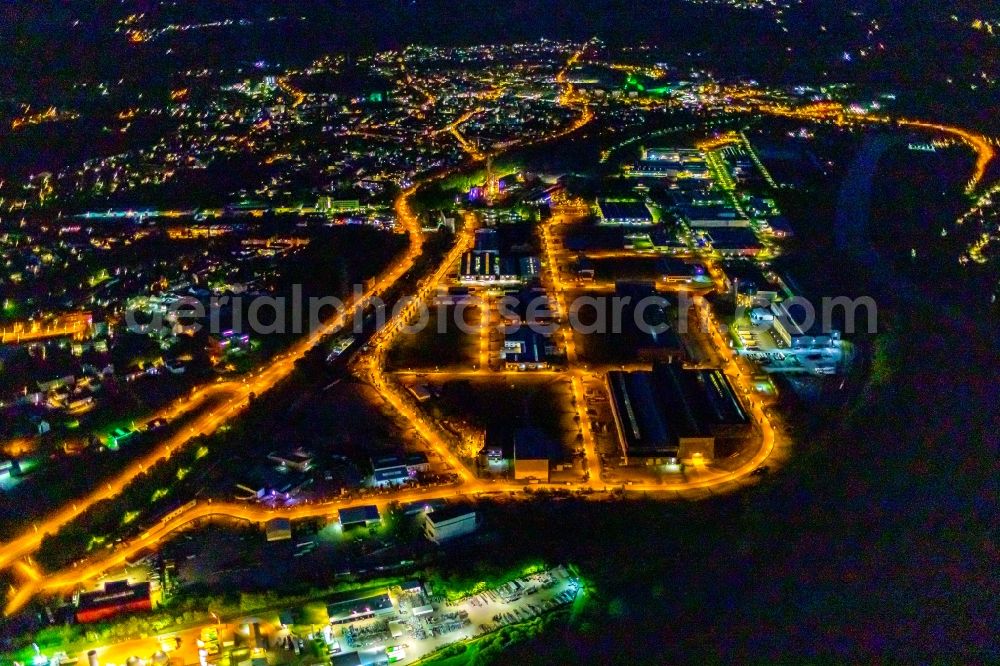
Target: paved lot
[{"x": 523, "y": 599}]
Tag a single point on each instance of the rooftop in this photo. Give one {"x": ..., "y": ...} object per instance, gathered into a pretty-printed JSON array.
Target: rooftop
[
  {"x": 533, "y": 443},
  {"x": 391, "y": 474},
  {"x": 734, "y": 238},
  {"x": 751, "y": 278},
  {"x": 659, "y": 407},
  {"x": 624, "y": 210},
  {"x": 357, "y": 515},
  {"x": 450, "y": 513},
  {"x": 525, "y": 345},
  {"x": 358, "y": 606}
]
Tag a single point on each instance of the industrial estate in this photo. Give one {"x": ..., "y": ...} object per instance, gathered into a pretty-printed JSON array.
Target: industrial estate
[{"x": 290, "y": 344}]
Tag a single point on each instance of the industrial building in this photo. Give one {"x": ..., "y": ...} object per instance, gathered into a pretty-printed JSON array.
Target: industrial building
[
  {"x": 278, "y": 529},
  {"x": 116, "y": 598},
  {"x": 352, "y": 607},
  {"x": 670, "y": 413},
  {"x": 665, "y": 169},
  {"x": 533, "y": 452},
  {"x": 675, "y": 271},
  {"x": 748, "y": 284},
  {"x": 623, "y": 212},
  {"x": 733, "y": 241},
  {"x": 712, "y": 216},
  {"x": 298, "y": 460},
  {"x": 395, "y": 470},
  {"x": 528, "y": 451},
  {"x": 496, "y": 258},
  {"x": 488, "y": 267},
  {"x": 779, "y": 227},
  {"x": 492, "y": 268},
  {"x": 674, "y": 163},
  {"x": 449, "y": 522},
  {"x": 524, "y": 348},
  {"x": 266, "y": 483},
  {"x": 528, "y": 306},
  {"x": 487, "y": 241},
  {"x": 646, "y": 325},
  {"x": 359, "y": 515},
  {"x": 789, "y": 326},
  {"x": 672, "y": 154}
]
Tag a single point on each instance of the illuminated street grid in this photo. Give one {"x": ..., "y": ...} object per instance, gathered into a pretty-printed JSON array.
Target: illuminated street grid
[{"x": 449, "y": 116}]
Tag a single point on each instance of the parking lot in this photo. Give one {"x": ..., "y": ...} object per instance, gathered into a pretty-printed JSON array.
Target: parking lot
[{"x": 411, "y": 633}]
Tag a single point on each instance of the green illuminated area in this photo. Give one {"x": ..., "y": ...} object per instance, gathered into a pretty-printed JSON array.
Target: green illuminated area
[
  {"x": 526, "y": 602},
  {"x": 644, "y": 84}
]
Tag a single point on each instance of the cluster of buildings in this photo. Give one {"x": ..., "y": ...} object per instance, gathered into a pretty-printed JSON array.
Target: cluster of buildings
[
  {"x": 395, "y": 470},
  {"x": 288, "y": 476},
  {"x": 774, "y": 326},
  {"x": 486, "y": 265},
  {"x": 697, "y": 188},
  {"x": 674, "y": 163},
  {"x": 371, "y": 131},
  {"x": 504, "y": 261},
  {"x": 439, "y": 523},
  {"x": 99, "y": 318},
  {"x": 527, "y": 343}
]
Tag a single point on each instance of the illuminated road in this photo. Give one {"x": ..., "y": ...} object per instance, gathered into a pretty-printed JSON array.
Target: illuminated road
[
  {"x": 298, "y": 97},
  {"x": 984, "y": 151},
  {"x": 240, "y": 392},
  {"x": 78, "y": 575},
  {"x": 26, "y": 544},
  {"x": 470, "y": 148},
  {"x": 556, "y": 286},
  {"x": 836, "y": 112},
  {"x": 567, "y": 97},
  {"x": 369, "y": 365}
]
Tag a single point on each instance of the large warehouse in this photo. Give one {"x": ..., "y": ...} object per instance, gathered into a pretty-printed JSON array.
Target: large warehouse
[
  {"x": 623, "y": 212},
  {"x": 353, "y": 606},
  {"x": 671, "y": 413}
]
